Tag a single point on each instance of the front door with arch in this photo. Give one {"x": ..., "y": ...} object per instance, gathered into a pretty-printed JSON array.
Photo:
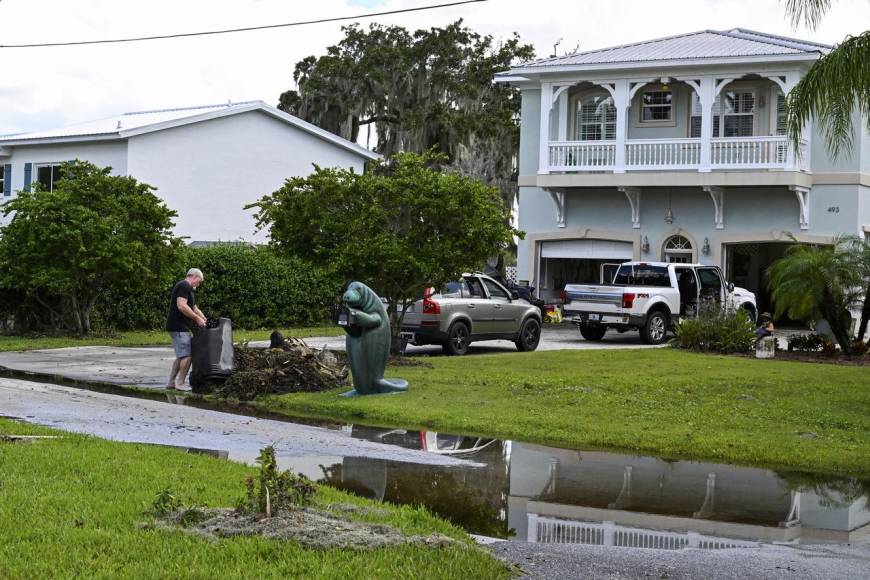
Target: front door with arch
[{"x": 678, "y": 250}]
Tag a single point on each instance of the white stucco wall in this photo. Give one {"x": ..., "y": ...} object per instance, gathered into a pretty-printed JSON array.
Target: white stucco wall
[
  {"x": 209, "y": 171},
  {"x": 103, "y": 153}
]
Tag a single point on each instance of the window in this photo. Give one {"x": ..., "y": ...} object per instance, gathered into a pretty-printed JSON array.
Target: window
[
  {"x": 733, "y": 115},
  {"x": 656, "y": 106},
  {"x": 711, "y": 284},
  {"x": 47, "y": 174},
  {"x": 3, "y": 179},
  {"x": 495, "y": 291},
  {"x": 642, "y": 275},
  {"x": 475, "y": 290},
  {"x": 594, "y": 118},
  {"x": 780, "y": 114},
  {"x": 678, "y": 250},
  {"x": 738, "y": 114}
]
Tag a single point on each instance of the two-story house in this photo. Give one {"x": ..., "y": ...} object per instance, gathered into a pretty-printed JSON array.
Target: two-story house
[{"x": 674, "y": 149}]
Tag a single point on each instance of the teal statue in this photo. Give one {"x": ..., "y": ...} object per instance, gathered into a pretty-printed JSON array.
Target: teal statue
[{"x": 368, "y": 342}]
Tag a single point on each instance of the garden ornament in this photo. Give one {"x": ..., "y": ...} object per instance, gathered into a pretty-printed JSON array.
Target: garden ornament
[{"x": 368, "y": 342}]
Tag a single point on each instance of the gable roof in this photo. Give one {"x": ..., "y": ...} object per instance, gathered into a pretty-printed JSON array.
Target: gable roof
[
  {"x": 140, "y": 122},
  {"x": 702, "y": 45}
]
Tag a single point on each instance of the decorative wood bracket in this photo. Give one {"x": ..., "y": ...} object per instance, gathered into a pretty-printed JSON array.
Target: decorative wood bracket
[
  {"x": 718, "y": 195},
  {"x": 559, "y": 199},
  {"x": 803, "y": 196},
  {"x": 633, "y": 195}
]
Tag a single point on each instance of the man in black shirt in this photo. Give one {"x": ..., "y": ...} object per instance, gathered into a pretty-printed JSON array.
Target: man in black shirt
[{"x": 183, "y": 317}]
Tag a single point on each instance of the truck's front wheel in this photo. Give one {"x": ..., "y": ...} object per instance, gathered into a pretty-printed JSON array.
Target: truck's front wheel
[
  {"x": 592, "y": 331},
  {"x": 656, "y": 328}
]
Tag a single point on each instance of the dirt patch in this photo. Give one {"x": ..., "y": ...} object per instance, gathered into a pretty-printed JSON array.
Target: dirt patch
[
  {"x": 816, "y": 357},
  {"x": 311, "y": 527}
]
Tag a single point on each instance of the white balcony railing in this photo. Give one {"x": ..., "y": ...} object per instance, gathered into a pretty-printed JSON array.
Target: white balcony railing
[
  {"x": 677, "y": 154},
  {"x": 582, "y": 155},
  {"x": 749, "y": 152},
  {"x": 663, "y": 153}
]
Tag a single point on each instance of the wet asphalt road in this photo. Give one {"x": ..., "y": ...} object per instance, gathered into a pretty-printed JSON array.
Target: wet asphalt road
[{"x": 123, "y": 418}]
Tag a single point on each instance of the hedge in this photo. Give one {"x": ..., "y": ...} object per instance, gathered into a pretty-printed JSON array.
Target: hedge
[{"x": 251, "y": 285}]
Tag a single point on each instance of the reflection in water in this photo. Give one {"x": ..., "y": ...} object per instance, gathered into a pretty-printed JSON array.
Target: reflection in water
[{"x": 546, "y": 494}]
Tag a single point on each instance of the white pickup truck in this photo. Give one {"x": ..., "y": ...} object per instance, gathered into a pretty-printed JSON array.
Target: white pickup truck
[{"x": 651, "y": 297}]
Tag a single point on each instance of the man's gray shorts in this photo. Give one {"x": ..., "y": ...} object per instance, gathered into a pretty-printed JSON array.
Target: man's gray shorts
[{"x": 181, "y": 344}]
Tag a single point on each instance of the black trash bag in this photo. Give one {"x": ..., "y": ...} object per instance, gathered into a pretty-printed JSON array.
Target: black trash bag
[{"x": 212, "y": 352}]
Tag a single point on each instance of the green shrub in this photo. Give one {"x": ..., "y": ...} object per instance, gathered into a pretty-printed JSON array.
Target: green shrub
[
  {"x": 716, "y": 331},
  {"x": 806, "y": 342},
  {"x": 250, "y": 285}
]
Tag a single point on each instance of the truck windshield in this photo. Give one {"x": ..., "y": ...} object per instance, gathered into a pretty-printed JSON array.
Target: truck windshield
[{"x": 642, "y": 275}]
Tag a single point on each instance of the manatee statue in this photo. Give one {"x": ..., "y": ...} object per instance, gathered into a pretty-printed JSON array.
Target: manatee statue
[{"x": 368, "y": 342}]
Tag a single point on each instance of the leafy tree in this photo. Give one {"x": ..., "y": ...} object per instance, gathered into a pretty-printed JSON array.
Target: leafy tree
[
  {"x": 63, "y": 249},
  {"x": 400, "y": 227},
  {"x": 837, "y": 84},
  {"x": 819, "y": 282},
  {"x": 422, "y": 90}
]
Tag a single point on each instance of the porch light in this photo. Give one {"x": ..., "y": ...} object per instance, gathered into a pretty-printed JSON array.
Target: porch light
[
  {"x": 644, "y": 246},
  {"x": 706, "y": 247},
  {"x": 669, "y": 217}
]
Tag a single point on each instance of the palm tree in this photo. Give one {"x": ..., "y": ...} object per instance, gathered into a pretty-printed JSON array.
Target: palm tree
[
  {"x": 837, "y": 84},
  {"x": 862, "y": 251},
  {"x": 819, "y": 282}
]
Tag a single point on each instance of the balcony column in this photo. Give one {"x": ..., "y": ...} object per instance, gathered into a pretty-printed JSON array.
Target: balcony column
[
  {"x": 706, "y": 89},
  {"x": 622, "y": 102},
  {"x": 544, "y": 139},
  {"x": 619, "y": 93},
  {"x": 786, "y": 82}
]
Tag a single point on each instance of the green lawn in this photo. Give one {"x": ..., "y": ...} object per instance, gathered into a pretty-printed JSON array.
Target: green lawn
[
  {"x": 72, "y": 507},
  {"x": 145, "y": 338},
  {"x": 663, "y": 402}
]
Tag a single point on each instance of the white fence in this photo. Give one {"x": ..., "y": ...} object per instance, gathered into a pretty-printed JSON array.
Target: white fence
[{"x": 663, "y": 153}]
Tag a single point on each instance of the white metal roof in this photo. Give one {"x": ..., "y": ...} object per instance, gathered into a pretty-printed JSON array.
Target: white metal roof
[
  {"x": 139, "y": 122},
  {"x": 705, "y": 44}
]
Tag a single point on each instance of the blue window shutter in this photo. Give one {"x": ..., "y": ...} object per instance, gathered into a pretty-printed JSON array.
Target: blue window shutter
[
  {"x": 7, "y": 180},
  {"x": 28, "y": 170}
]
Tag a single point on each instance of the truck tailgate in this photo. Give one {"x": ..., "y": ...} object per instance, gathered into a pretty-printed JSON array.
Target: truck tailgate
[{"x": 593, "y": 298}]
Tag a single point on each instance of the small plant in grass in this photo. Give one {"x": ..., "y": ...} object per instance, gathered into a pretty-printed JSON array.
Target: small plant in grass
[
  {"x": 165, "y": 503},
  {"x": 716, "y": 331},
  {"x": 274, "y": 490}
]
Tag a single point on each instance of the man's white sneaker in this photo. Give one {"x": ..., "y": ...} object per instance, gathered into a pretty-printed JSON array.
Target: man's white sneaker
[{"x": 184, "y": 387}]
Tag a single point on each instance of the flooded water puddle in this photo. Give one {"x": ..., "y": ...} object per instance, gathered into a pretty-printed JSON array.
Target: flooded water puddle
[
  {"x": 545, "y": 494},
  {"x": 502, "y": 489},
  {"x": 536, "y": 493}
]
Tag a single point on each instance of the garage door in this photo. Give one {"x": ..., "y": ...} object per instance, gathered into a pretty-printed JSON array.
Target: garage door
[{"x": 590, "y": 249}]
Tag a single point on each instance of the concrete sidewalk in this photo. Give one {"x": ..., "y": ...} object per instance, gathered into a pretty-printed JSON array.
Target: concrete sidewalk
[{"x": 149, "y": 366}]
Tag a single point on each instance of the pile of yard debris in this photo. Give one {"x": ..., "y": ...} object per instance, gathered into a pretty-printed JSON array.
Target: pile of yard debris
[{"x": 291, "y": 366}]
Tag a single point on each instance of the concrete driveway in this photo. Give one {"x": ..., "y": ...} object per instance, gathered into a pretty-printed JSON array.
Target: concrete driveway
[{"x": 149, "y": 366}]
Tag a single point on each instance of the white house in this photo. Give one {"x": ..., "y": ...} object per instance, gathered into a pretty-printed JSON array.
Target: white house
[
  {"x": 674, "y": 149},
  {"x": 206, "y": 162}
]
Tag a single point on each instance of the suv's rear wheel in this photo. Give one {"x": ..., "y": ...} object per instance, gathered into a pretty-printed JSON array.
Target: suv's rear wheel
[
  {"x": 458, "y": 339},
  {"x": 530, "y": 336},
  {"x": 655, "y": 329},
  {"x": 592, "y": 331}
]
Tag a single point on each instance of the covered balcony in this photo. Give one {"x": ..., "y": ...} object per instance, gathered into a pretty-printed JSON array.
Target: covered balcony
[{"x": 698, "y": 123}]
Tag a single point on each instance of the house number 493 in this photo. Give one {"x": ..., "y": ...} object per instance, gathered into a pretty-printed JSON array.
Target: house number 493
[{"x": 834, "y": 209}]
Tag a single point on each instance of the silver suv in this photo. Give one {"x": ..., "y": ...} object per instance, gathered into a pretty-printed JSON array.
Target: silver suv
[{"x": 473, "y": 309}]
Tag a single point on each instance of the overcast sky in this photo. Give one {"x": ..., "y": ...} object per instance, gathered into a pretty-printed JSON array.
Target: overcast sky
[{"x": 49, "y": 87}]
